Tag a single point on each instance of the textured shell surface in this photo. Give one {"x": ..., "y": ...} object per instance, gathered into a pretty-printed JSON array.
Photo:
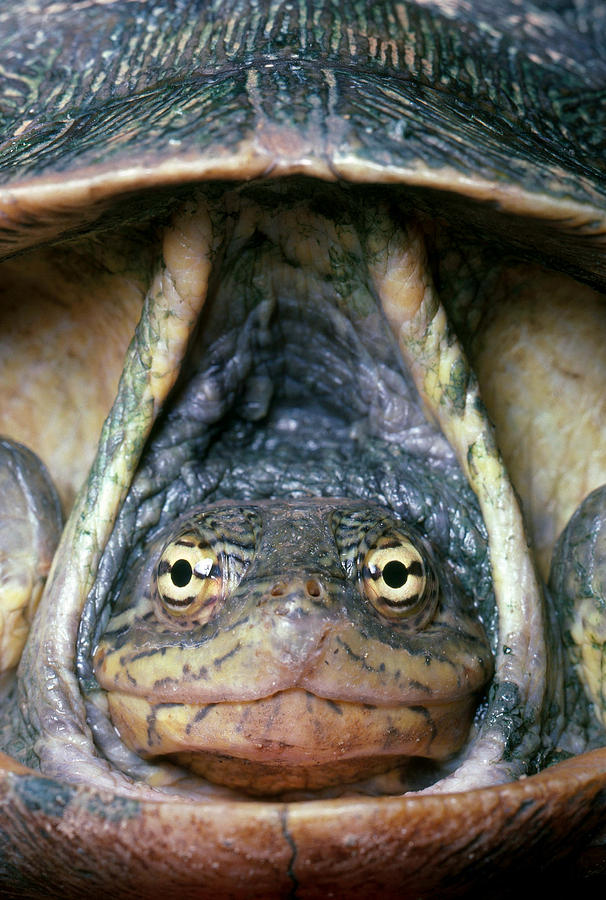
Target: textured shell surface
[{"x": 109, "y": 97}]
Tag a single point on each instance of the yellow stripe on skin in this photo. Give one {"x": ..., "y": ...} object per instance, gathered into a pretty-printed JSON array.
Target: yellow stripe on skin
[
  {"x": 153, "y": 361},
  {"x": 588, "y": 631},
  {"x": 449, "y": 389}
]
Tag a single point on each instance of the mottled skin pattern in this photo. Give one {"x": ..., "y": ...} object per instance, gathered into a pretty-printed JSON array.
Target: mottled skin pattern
[
  {"x": 103, "y": 102},
  {"x": 289, "y": 607}
]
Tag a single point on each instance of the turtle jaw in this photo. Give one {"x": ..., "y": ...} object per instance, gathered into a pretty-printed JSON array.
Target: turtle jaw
[{"x": 291, "y": 740}]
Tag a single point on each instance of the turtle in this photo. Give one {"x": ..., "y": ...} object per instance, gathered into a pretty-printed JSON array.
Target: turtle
[{"x": 271, "y": 270}]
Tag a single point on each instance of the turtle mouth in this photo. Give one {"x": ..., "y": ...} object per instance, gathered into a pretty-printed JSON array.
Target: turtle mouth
[{"x": 292, "y": 740}]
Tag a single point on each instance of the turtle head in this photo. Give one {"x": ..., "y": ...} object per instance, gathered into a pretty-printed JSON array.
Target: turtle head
[{"x": 284, "y": 645}]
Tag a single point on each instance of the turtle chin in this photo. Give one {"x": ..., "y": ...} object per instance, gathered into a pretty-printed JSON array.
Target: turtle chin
[{"x": 292, "y": 740}]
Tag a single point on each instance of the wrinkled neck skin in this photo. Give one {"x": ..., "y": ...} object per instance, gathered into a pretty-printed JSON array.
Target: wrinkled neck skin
[{"x": 301, "y": 377}]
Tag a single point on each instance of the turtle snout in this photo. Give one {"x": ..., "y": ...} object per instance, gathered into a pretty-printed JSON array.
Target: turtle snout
[{"x": 298, "y": 588}]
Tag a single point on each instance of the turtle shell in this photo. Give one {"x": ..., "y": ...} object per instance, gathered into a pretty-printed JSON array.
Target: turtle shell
[
  {"x": 106, "y": 99},
  {"x": 110, "y": 108}
]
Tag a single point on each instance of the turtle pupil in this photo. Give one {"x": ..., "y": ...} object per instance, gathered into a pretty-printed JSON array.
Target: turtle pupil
[
  {"x": 395, "y": 574},
  {"x": 181, "y": 573}
]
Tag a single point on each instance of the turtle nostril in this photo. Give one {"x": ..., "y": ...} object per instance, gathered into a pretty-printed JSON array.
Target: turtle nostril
[{"x": 313, "y": 588}]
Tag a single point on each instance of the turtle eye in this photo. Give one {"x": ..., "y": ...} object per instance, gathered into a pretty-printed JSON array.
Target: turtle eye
[
  {"x": 189, "y": 577},
  {"x": 396, "y": 579}
]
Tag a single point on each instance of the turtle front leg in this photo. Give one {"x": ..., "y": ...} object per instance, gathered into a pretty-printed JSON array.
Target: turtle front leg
[
  {"x": 578, "y": 583},
  {"x": 30, "y": 528}
]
